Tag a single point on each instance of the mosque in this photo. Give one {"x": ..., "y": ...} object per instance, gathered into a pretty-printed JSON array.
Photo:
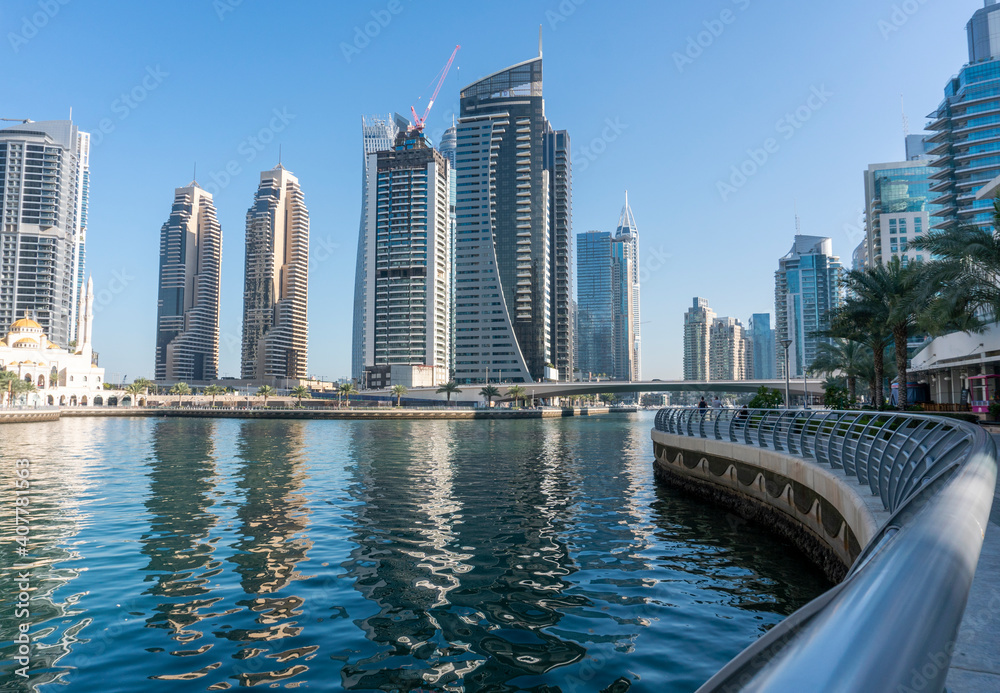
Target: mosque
[{"x": 62, "y": 377}]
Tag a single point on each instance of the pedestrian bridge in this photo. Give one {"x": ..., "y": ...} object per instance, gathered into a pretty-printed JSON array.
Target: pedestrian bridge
[
  {"x": 470, "y": 393},
  {"x": 897, "y": 504}
]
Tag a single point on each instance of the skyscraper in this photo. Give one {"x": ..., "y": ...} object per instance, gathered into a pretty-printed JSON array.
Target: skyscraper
[
  {"x": 625, "y": 251},
  {"x": 727, "y": 350},
  {"x": 762, "y": 338},
  {"x": 449, "y": 150},
  {"x": 378, "y": 134},
  {"x": 807, "y": 286},
  {"x": 897, "y": 209},
  {"x": 187, "y": 306},
  {"x": 409, "y": 222},
  {"x": 966, "y": 139},
  {"x": 44, "y": 198},
  {"x": 697, "y": 338},
  {"x": 594, "y": 334},
  {"x": 513, "y": 256},
  {"x": 276, "y": 280}
]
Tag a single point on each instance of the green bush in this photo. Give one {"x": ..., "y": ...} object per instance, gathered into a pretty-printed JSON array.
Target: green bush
[
  {"x": 995, "y": 411},
  {"x": 961, "y": 416},
  {"x": 766, "y": 398},
  {"x": 836, "y": 397}
]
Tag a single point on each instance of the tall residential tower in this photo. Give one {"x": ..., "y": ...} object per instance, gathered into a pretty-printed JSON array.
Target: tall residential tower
[
  {"x": 276, "y": 280},
  {"x": 187, "y": 306},
  {"x": 44, "y": 193},
  {"x": 697, "y": 339}
]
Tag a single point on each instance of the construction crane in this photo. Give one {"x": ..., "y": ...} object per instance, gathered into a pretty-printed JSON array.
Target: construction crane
[{"x": 419, "y": 121}]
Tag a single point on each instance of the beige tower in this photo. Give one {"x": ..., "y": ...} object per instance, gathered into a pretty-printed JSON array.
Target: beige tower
[{"x": 276, "y": 284}]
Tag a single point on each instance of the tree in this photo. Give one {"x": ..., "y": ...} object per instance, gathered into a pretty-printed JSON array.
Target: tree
[
  {"x": 863, "y": 318},
  {"x": 835, "y": 396},
  {"x": 766, "y": 398},
  {"x": 449, "y": 389},
  {"x": 398, "y": 391},
  {"x": 180, "y": 389},
  {"x": 144, "y": 384},
  {"x": 489, "y": 392},
  {"x": 301, "y": 392},
  {"x": 346, "y": 390},
  {"x": 134, "y": 390},
  {"x": 214, "y": 391},
  {"x": 516, "y": 392},
  {"x": 265, "y": 391},
  {"x": 844, "y": 356}
]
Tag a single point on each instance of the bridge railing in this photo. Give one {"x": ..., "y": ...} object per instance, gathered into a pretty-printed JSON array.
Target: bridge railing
[{"x": 891, "y": 624}]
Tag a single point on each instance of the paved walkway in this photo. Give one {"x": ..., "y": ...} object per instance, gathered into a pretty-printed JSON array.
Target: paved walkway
[{"x": 975, "y": 665}]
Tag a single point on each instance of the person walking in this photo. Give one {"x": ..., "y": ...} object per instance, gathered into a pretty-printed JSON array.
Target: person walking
[
  {"x": 703, "y": 404},
  {"x": 716, "y": 403}
]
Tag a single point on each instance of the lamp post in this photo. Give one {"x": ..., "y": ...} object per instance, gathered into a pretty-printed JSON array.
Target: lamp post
[
  {"x": 805, "y": 389},
  {"x": 786, "y": 343}
]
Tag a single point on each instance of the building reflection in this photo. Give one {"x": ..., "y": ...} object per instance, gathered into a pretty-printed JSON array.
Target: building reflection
[{"x": 460, "y": 554}]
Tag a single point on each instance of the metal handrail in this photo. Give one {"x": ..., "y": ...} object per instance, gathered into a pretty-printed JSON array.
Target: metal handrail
[{"x": 895, "y": 617}]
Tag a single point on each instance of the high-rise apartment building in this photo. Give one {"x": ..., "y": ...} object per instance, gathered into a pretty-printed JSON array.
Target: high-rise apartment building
[
  {"x": 276, "y": 280},
  {"x": 762, "y": 350},
  {"x": 727, "y": 357},
  {"x": 44, "y": 196},
  {"x": 378, "y": 134},
  {"x": 807, "y": 285},
  {"x": 514, "y": 306},
  {"x": 449, "y": 150},
  {"x": 697, "y": 339},
  {"x": 410, "y": 227},
  {"x": 594, "y": 333},
  {"x": 625, "y": 251},
  {"x": 966, "y": 127},
  {"x": 187, "y": 306},
  {"x": 898, "y": 210}
]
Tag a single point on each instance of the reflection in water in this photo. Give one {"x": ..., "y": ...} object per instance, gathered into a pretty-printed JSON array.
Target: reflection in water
[{"x": 382, "y": 555}]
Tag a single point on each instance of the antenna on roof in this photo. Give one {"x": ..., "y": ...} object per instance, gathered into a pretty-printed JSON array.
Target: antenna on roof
[
  {"x": 539, "y": 40},
  {"x": 798, "y": 222},
  {"x": 279, "y": 155},
  {"x": 906, "y": 121}
]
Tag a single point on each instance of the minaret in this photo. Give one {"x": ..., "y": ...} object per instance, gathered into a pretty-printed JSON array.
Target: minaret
[{"x": 85, "y": 333}]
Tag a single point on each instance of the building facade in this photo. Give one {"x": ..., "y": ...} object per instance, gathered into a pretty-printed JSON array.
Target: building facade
[
  {"x": 898, "y": 210},
  {"x": 411, "y": 227},
  {"x": 965, "y": 142},
  {"x": 625, "y": 246},
  {"x": 727, "y": 357},
  {"x": 187, "y": 306},
  {"x": 807, "y": 285},
  {"x": 697, "y": 340},
  {"x": 513, "y": 257},
  {"x": 378, "y": 134},
  {"x": 276, "y": 281},
  {"x": 594, "y": 334},
  {"x": 762, "y": 345},
  {"x": 449, "y": 150},
  {"x": 44, "y": 199}
]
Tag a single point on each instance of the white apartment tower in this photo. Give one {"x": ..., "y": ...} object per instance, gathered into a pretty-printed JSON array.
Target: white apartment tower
[
  {"x": 697, "y": 339},
  {"x": 276, "y": 283},
  {"x": 187, "y": 307},
  {"x": 727, "y": 350},
  {"x": 44, "y": 192}
]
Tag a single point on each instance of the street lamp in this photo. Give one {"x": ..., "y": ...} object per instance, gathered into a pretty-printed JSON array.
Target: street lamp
[
  {"x": 805, "y": 388},
  {"x": 786, "y": 343}
]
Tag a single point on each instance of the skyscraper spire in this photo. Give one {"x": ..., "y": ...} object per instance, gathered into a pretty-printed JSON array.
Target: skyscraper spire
[{"x": 539, "y": 40}]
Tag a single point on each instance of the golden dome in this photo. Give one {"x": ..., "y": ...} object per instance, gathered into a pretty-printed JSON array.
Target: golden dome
[
  {"x": 26, "y": 341},
  {"x": 52, "y": 346},
  {"x": 25, "y": 323}
]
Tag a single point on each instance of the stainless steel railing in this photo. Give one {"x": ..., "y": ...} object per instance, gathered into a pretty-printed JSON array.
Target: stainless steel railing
[{"x": 891, "y": 624}]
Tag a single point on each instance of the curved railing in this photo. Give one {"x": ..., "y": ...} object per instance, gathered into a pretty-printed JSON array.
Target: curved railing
[{"x": 892, "y": 623}]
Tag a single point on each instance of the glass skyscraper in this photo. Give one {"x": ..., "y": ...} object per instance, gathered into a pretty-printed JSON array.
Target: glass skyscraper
[
  {"x": 966, "y": 127},
  {"x": 594, "y": 315},
  {"x": 44, "y": 198},
  {"x": 898, "y": 209},
  {"x": 762, "y": 338}
]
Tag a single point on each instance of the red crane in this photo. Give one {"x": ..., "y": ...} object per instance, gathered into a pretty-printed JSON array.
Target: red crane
[{"x": 418, "y": 121}]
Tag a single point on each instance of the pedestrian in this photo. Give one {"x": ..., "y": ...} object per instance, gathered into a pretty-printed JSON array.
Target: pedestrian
[
  {"x": 703, "y": 404},
  {"x": 716, "y": 403}
]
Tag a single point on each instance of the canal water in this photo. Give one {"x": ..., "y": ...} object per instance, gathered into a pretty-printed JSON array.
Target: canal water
[{"x": 529, "y": 555}]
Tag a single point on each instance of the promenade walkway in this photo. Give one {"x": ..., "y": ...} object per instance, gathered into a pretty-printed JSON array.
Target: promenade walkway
[{"x": 975, "y": 665}]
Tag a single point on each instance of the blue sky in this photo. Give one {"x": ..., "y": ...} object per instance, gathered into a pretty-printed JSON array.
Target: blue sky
[{"x": 224, "y": 82}]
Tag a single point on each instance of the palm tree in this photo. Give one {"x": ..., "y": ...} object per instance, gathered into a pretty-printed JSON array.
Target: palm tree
[
  {"x": 265, "y": 391},
  {"x": 516, "y": 392},
  {"x": 180, "y": 389},
  {"x": 214, "y": 391},
  {"x": 489, "y": 392},
  {"x": 135, "y": 389},
  {"x": 144, "y": 384},
  {"x": 449, "y": 389},
  {"x": 301, "y": 392},
  {"x": 398, "y": 391},
  {"x": 845, "y": 356},
  {"x": 346, "y": 390}
]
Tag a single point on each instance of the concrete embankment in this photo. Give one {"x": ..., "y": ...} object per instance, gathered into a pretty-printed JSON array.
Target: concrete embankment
[
  {"x": 28, "y": 415},
  {"x": 346, "y": 413}
]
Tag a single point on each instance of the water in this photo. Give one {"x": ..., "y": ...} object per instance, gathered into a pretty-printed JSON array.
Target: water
[{"x": 198, "y": 554}]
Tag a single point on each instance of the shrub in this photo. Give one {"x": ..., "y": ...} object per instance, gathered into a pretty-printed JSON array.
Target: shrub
[{"x": 766, "y": 398}]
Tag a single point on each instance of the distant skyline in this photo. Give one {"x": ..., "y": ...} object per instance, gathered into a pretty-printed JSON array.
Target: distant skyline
[{"x": 663, "y": 101}]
